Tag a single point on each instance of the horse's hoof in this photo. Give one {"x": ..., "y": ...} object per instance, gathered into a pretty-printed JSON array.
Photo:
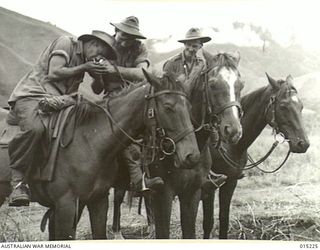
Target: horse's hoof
[
  {"x": 151, "y": 232},
  {"x": 151, "y": 235},
  {"x": 118, "y": 236}
]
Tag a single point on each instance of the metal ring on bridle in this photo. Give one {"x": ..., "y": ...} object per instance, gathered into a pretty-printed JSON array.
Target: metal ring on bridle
[
  {"x": 162, "y": 146},
  {"x": 279, "y": 137}
]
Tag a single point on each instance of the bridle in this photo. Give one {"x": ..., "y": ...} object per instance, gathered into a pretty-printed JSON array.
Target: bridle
[
  {"x": 209, "y": 110},
  {"x": 270, "y": 111},
  {"x": 157, "y": 140}
]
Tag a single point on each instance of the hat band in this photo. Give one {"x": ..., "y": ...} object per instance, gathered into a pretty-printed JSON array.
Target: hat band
[{"x": 130, "y": 25}]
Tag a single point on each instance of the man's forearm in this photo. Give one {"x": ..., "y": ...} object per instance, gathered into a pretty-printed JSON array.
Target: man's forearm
[
  {"x": 65, "y": 72},
  {"x": 131, "y": 74}
]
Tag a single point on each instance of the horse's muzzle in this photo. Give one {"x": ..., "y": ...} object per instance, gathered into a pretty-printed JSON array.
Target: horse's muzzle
[{"x": 299, "y": 146}]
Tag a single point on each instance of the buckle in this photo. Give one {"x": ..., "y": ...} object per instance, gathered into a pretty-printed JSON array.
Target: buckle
[{"x": 150, "y": 113}]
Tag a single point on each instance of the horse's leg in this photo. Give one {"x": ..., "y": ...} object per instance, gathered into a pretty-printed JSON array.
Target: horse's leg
[
  {"x": 150, "y": 216},
  {"x": 5, "y": 190},
  {"x": 162, "y": 205},
  {"x": 98, "y": 212},
  {"x": 80, "y": 210},
  {"x": 208, "y": 211},
  {"x": 189, "y": 203},
  {"x": 118, "y": 199},
  {"x": 51, "y": 227},
  {"x": 65, "y": 211},
  {"x": 225, "y": 196}
]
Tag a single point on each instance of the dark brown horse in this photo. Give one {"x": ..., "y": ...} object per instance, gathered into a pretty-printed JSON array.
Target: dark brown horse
[
  {"x": 85, "y": 170},
  {"x": 214, "y": 95},
  {"x": 277, "y": 105}
]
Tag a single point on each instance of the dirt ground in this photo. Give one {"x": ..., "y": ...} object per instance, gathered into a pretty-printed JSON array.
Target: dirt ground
[{"x": 286, "y": 213}]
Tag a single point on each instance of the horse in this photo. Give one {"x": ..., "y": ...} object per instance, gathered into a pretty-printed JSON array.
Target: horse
[
  {"x": 276, "y": 104},
  {"x": 211, "y": 94},
  {"x": 214, "y": 95},
  {"x": 85, "y": 170}
]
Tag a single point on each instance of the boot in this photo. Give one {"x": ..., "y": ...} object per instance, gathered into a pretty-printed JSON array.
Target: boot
[
  {"x": 20, "y": 194},
  {"x": 214, "y": 181},
  {"x": 141, "y": 183}
]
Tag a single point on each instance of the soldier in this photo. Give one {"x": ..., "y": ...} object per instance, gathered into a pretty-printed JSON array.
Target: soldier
[
  {"x": 59, "y": 71},
  {"x": 191, "y": 59},
  {"x": 132, "y": 55}
]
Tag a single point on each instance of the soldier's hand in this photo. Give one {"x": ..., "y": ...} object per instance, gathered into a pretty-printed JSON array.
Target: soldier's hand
[
  {"x": 109, "y": 67},
  {"x": 95, "y": 68}
]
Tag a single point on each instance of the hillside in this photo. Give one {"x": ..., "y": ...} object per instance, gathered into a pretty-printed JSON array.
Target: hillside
[
  {"x": 34, "y": 35},
  {"x": 16, "y": 65},
  {"x": 276, "y": 60},
  {"x": 18, "y": 53}
]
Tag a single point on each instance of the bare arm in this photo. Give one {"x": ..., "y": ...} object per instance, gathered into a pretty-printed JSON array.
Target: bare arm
[
  {"x": 133, "y": 74},
  {"x": 58, "y": 69}
]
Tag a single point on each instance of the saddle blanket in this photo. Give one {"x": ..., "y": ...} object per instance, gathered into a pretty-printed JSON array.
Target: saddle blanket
[{"x": 60, "y": 128}]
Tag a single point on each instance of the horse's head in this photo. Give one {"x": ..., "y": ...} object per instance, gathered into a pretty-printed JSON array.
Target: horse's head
[
  {"x": 224, "y": 87},
  {"x": 284, "y": 114},
  {"x": 173, "y": 116}
]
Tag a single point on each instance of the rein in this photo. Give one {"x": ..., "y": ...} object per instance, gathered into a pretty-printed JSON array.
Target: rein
[
  {"x": 279, "y": 138},
  {"x": 150, "y": 114}
]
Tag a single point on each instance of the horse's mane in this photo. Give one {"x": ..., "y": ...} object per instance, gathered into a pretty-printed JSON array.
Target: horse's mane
[
  {"x": 214, "y": 62},
  {"x": 127, "y": 88},
  {"x": 250, "y": 99},
  {"x": 224, "y": 60}
]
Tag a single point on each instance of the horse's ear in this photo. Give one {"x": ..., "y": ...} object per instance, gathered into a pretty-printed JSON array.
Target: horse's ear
[
  {"x": 151, "y": 78},
  {"x": 272, "y": 82},
  {"x": 236, "y": 56},
  {"x": 289, "y": 79}
]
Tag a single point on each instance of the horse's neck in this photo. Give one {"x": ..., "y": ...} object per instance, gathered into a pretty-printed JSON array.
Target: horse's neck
[
  {"x": 253, "y": 121},
  {"x": 127, "y": 113},
  {"x": 197, "y": 116}
]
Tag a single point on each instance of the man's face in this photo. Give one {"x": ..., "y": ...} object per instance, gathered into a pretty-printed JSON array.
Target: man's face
[
  {"x": 192, "y": 47},
  {"x": 124, "y": 39},
  {"x": 97, "y": 48}
]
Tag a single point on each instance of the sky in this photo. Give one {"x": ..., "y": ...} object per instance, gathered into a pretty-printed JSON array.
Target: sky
[{"x": 285, "y": 19}]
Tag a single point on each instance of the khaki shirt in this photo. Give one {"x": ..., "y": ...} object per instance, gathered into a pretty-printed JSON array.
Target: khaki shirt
[
  {"x": 129, "y": 58},
  {"x": 178, "y": 66},
  {"x": 36, "y": 82}
]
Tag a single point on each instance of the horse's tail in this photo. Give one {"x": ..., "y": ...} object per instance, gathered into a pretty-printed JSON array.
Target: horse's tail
[{"x": 45, "y": 219}]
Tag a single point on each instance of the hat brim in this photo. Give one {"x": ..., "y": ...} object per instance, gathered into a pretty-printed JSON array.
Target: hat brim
[
  {"x": 128, "y": 30},
  {"x": 87, "y": 37},
  {"x": 203, "y": 39}
]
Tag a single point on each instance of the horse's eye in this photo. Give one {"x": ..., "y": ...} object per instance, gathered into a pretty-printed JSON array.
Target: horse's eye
[
  {"x": 283, "y": 106},
  {"x": 168, "y": 109}
]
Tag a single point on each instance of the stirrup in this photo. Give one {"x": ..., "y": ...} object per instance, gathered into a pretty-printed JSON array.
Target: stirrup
[
  {"x": 144, "y": 187},
  {"x": 18, "y": 185}
]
